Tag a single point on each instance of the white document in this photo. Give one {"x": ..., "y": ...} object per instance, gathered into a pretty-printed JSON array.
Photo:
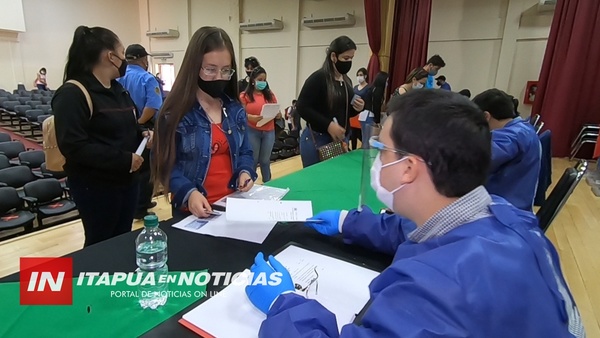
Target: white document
[
  {"x": 142, "y": 146},
  {"x": 217, "y": 225},
  {"x": 245, "y": 210},
  {"x": 268, "y": 113},
  {"x": 231, "y": 314},
  {"x": 257, "y": 192}
]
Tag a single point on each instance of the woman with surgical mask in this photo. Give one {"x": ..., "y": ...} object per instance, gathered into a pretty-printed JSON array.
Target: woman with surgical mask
[
  {"x": 262, "y": 138},
  {"x": 357, "y": 122},
  {"x": 326, "y": 101},
  {"x": 415, "y": 80},
  {"x": 100, "y": 145},
  {"x": 202, "y": 152}
]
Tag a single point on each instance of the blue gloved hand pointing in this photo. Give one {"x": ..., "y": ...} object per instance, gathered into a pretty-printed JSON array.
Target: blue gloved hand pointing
[
  {"x": 269, "y": 280},
  {"x": 326, "y": 222}
]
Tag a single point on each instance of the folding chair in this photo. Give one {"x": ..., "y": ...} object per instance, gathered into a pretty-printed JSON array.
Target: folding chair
[{"x": 560, "y": 194}]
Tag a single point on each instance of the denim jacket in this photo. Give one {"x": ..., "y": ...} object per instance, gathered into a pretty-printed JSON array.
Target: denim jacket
[{"x": 193, "y": 144}]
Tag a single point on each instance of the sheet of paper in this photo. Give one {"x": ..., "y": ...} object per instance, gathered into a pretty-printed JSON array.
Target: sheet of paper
[
  {"x": 269, "y": 111},
  {"x": 244, "y": 210},
  {"x": 257, "y": 192},
  {"x": 239, "y": 318},
  {"x": 141, "y": 147},
  {"x": 217, "y": 225}
]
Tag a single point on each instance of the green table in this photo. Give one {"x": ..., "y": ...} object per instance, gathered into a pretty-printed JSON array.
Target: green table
[
  {"x": 96, "y": 312},
  {"x": 332, "y": 184}
]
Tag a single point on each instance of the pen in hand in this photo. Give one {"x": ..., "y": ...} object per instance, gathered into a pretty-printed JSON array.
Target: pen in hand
[{"x": 245, "y": 184}]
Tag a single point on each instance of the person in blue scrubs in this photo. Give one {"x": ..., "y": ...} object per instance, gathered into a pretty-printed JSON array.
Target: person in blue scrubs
[
  {"x": 516, "y": 150},
  {"x": 147, "y": 97},
  {"x": 433, "y": 66},
  {"x": 476, "y": 266},
  {"x": 441, "y": 82}
]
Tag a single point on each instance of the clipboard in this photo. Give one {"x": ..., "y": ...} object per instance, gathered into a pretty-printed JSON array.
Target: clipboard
[{"x": 269, "y": 112}]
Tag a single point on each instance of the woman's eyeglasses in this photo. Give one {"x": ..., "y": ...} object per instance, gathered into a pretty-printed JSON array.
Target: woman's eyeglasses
[
  {"x": 306, "y": 289},
  {"x": 226, "y": 73}
]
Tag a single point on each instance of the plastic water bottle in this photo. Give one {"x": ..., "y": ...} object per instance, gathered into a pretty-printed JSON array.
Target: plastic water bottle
[{"x": 151, "y": 257}]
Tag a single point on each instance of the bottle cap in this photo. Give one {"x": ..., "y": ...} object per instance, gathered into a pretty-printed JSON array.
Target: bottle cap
[{"x": 151, "y": 221}]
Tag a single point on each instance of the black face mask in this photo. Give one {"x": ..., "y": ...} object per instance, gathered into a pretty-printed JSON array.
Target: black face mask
[
  {"x": 248, "y": 72},
  {"x": 343, "y": 67},
  {"x": 212, "y": 88},
  {"x": 123, "y": 68},
  {"x": 439, "y": 83}
]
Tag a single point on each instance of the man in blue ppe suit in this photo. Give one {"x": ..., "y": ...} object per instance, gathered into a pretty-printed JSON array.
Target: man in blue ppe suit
[
  {"x": 145, "y": 92},
  {"x": 476, "y": 266},
  {"x": 433, "y": 66},
  {"x": 516, "y": 150}
]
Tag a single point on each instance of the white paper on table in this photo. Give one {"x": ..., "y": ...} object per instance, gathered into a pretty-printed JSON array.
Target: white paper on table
[
  {"x": 269, "y": 112},
  {"x": 142, "y": 145},
  {"x": 217, "y": 225},
  {"x": 231, "y": 314},
  {"x": 257, "y": 192},
  {"x": 244, "y": 210}
]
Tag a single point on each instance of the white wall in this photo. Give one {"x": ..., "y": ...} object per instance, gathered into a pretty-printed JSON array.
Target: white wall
[
  {"x": 490, "y": 43},
  {"x": 289, "y": 56},
  {"x": 11, "y": 16},
  {"x": 49, "y": 31}
]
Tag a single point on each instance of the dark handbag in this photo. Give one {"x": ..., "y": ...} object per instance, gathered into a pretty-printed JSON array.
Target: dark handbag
[{"x": 335, "y": 148}]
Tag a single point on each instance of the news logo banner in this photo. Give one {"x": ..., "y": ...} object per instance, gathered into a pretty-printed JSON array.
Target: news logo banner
[{"x": 46, "y": 281}]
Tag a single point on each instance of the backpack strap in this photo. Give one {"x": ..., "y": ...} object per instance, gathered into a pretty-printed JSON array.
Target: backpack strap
[{"x": 88, "y": 99}]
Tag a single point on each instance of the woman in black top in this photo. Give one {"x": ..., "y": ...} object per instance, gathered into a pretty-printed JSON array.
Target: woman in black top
[
  {"x": 373, "y": 102},
  {"x": 325, "y": 101},
  {"x": 99, "y": 146}
]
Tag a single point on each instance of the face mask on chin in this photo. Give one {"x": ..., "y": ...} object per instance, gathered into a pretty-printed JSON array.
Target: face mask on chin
[{"x": 386, "y": 197}]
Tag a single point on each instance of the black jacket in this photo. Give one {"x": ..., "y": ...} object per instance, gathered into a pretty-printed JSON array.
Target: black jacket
[
  {"x": 313, "y": 105},
  {"x": 99, "y": 149}
]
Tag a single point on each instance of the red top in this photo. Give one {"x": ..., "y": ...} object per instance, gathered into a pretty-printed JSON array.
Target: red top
[
  {"x": 219, "y": 170},
  {"x": 254, "y": 108}
]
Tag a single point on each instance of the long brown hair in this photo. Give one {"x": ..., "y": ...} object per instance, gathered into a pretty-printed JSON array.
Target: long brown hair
[
  {"x": 182, "y": 97},
  {"x": 417, "y": 74},
  {"x": 338, "y": 46}
]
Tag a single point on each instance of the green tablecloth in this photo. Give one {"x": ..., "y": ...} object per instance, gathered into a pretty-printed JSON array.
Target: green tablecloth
[
  {"x": 107, "y": 317},
  {"x": 332, "y": 184}
]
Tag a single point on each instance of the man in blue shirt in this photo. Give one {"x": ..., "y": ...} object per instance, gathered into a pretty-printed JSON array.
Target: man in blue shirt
[
  {"x": 142, "y": 86},
  {"x": 516, "y": 150},
  {"x": 476, "y": 266},
  {"x": 433, "y": 66},
  {"x": 145, "y": 92},
  {"x": 441, "y": 82}
]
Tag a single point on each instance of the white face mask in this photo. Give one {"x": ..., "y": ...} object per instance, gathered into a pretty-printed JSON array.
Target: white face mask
[
  {"x": 418, "y": 85},
  {"x": 385, "y": 196},
  {"x": 360, "y": 79}
]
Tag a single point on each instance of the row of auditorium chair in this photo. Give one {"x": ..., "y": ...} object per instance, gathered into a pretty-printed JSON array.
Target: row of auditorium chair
[
  {"x": 23, "y": 112},
  {"x": 29, "y": 193}
]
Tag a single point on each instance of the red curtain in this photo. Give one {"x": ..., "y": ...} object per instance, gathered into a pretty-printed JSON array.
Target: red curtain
[
  {"x": 567, "y": 95},
  {"x": 373, "y": 19},
  {"x": 410, "y": 37}
]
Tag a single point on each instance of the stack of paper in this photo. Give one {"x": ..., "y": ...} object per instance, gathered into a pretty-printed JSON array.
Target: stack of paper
[
  {"x": 231, "y": 314},
  {"x": 258, "y": 192}
]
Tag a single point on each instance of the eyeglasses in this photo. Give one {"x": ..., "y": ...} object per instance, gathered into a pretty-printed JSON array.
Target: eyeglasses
[
  {"x": 376, "y": 144},
  {"x": 226, "y": 73},
  {"x": 305, "y": 289}
]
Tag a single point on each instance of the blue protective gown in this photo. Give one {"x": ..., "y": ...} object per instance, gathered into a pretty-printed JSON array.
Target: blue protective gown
[
  {"x": 494, "y": 277},
  {"x": 516, "y": 160}
]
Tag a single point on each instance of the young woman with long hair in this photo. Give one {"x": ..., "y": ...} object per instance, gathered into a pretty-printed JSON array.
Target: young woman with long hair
[
  {"x": 202, "y": 151},
  {"x": 262, "y": 138},
  {"x": 417, "y": 79},
  {"x": 325, "y": 101},
  {"x": 99, "y": 145}
]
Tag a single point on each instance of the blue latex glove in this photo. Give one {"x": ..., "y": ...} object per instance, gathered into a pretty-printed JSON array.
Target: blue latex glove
[
  {"x": 328, "y": 222},
  {"x": 262, "y": 295}
]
